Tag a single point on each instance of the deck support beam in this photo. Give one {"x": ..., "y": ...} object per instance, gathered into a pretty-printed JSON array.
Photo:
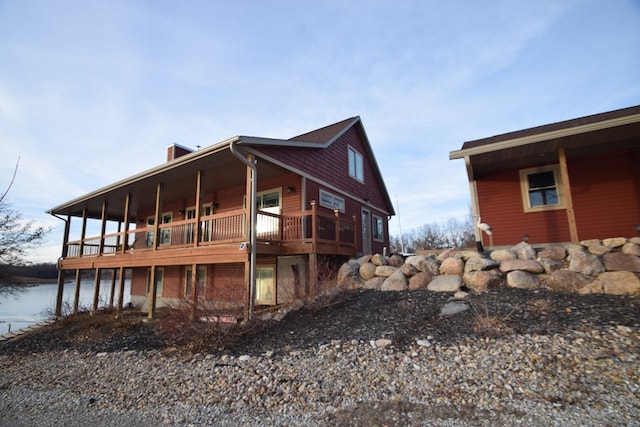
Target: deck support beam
[
  {"x": 96, "y": 290},
  {"x": 571, "y": 215},
  {"x": 65, "y": 248},
  {"x": 76, "y": 292}
]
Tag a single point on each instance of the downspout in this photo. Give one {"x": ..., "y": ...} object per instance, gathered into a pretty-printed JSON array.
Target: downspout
[{"x": 254, "y": 220}]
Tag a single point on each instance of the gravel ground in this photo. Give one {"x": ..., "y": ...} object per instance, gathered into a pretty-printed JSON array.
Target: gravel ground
[{"x": 367, "y": 358}]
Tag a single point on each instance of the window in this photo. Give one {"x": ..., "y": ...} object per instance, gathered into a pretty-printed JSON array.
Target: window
[
  {"x": 165, "y": 233},
  {"x": 378, "y": 229},
  {"x": 355, "y": 165},
  {"x": 200, "y": 280},
  {"x": 268, "y": 201},
  {"x": 159, "y": 281},
  {"x": 266, "y": 284},
  {"x": 541, "y": 189}
]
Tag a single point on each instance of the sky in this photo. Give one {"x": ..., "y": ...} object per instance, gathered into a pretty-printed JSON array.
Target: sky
[{"x": 92, "y": 92}]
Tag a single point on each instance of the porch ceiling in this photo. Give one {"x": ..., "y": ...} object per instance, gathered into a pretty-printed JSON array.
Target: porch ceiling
[
  {"x": 545, "y": 152},
  {"x": 220, "y": 170}
]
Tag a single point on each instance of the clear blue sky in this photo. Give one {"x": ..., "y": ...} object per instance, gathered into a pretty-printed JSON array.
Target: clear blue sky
[{"x": 86, "y": 86}]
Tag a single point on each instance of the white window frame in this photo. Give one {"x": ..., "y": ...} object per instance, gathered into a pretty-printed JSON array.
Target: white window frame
[
  {"x": 356, "y": 164},
  {"x": 525, "y": 190},
  {"x": 265, "y": 292},
  {"x": 159, "y": 278}
]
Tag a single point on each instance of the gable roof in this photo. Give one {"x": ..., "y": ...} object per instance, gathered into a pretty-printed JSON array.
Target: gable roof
[{"x": 581, "y": 125}]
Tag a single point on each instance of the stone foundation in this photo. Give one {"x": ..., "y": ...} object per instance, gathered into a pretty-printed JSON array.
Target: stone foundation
[{"x": 610, "y": 266}]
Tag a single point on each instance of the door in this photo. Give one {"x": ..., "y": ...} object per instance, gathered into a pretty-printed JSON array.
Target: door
[{"x": 366, "y": 231}]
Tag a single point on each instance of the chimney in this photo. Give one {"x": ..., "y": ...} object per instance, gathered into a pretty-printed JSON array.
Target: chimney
[{"x": 176, "y": 150}]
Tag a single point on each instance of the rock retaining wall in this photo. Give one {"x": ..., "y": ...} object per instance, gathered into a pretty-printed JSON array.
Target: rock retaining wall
[{"x": 610, "y": 266}]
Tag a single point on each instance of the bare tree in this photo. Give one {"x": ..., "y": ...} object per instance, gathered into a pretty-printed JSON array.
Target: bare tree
[
  {"x": 451, "y": 234},
  {"x": 17, "y": 237}
]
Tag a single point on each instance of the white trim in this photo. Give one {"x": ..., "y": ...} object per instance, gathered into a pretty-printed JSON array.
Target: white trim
[{"x": 524, "y": 188}]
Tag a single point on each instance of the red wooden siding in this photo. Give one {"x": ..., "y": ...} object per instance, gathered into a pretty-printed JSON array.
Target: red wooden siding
[{"x": 606, "y": 200}]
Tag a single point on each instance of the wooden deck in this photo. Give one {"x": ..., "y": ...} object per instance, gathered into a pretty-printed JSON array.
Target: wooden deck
[{"x": 218, "y": 238}]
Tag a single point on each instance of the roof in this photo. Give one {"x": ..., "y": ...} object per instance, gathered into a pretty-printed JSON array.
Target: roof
[
  {"x": 565, "y": 128},
  {"x": 217, "y": 156}
]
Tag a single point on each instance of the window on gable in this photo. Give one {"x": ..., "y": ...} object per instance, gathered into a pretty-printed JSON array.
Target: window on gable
[
  {"x": 541, "y": 189},
  {"x": 355, "y": 165},
  {"x": 378, "y": 229}
]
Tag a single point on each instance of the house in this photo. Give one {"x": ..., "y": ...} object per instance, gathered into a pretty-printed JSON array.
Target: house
[
  {"x": 246, "y": 222},
  {"x": 562, "y": 182}
]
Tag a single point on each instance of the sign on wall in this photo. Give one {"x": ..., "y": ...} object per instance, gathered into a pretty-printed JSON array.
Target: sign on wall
[{"x": 331, "y": 201}]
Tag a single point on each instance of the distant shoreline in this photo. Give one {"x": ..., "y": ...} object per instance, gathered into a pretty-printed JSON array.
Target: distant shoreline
[{"x": 33, "y": 281}]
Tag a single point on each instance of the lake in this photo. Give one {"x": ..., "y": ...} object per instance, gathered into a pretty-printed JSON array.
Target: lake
[{"x": 36, "y": 303}]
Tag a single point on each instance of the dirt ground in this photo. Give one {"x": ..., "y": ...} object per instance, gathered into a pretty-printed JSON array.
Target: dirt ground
[{"x": 365, "y": 315}]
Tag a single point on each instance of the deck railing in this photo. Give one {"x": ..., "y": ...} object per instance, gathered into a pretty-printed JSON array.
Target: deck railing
[{"x": 297, "y": 228}]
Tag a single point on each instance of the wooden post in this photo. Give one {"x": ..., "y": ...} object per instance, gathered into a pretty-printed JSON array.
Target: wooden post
[
  {"x": 76, "y": 293},
  {"x": 153, "y": 291},
  {"x": 196, "y": 226},
  {"x": 83, "y": 232},
  {"x": 156, "y": 221},
  {"x": 314, "y": 226},
  {"x": 355, "y": 233},
  {"x": 103, "y": 227},
  {"x": 125, "y": 240},
  {"x": 194, "y": 292},
  {"x": 566, "y": 193},
  {"x": 120, "y": 289},
  {"x": 336, "y": 213},
  {"x": 113, "y": 287},
  {"x": 313, "y": 273},
  {"x": 65, "y": 249},
  {"x": 96, "y": 290}
]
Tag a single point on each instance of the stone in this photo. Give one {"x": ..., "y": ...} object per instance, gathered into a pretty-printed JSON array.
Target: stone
[
  {"x": 635, "y": 240},
  {"x": 502, "y": 255},
  {"x": 378, "y": 259},
  {"x": 467, "y": 255},
  {"x": 453, "y": 307},
  {"x": 423, "y": 263},
  {"x": 381, "y": 343},
  {"x": 631, "y": 249},
  {"x": 573, "y": 247},
  {"x": 599, "y": 249},
  {"x": 522, "y": 280},
  {"x": 446, "y": 283},
  {"x": 481, "y": 281},
  {"x": 453, "y": 265},
  {"x": 550, "y": 265},
  {"x": 374, "y": 283},
  {"x": 585, "y": 263},
  {"x": 525, "y": 251},
  {"x": 395, "y": 260},
  {"x": 385, "y": 270},
  {"x": 448, "y": 253},
  {"x": 528, "y": 265},
  {"x": 566, "y": 281},
  {"x": 618, "y": 261},
  {"x": 409, "y": 270},
  {"x": 367, "y": 270},
  {"x": 364, "y": 259},
  {"x": 557, "y": 253},
  {"x": 348, "y": 272},
  {"x": 420, "y": 280},
  {"x": 614, "y": 242},
  {"x": 480, "y": 264},
  {"x": 614, "y": 283},
  {"x": 590, "y": 242},
  {"x": 396, "y": 282}
]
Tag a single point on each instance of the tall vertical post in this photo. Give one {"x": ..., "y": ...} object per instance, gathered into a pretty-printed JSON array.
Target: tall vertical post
[
  {"x": 156, "y": 221},
  {"x": 96, "y": 290},
  {"x": 113, "y": 287},
  {"x": 65, "y": 249},
  {"x": 566, "y": 194},
  {"x": 194, "y": 291},
  {"x": 125, "y": 240},
  {"x": 121, "y": 288},
  {"x": 83, "y": 232},
  {"x": 103, "y": 227},
  {"x": 154, "y": 291},
  {"x": 196, "y": 226},
  {"x": 76, "y": 292},
  {"x": 336, "y": 213}
]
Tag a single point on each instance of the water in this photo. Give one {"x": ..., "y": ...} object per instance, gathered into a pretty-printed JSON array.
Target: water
[{"x": 37, "y": 303}]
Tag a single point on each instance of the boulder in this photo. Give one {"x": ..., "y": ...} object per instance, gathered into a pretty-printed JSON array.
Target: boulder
[
  {"x": 423, "y": 263},
  {"x": 452, "y": 265},
  {"x": 348, "y": 273},
  {"x": 378, "y": 259},
  {"x": 599, "y": 249},
  {"x": 557, "y": 253},
  {"x": 525, "y": 251},
  {"x": 480, "y": 264},
  {"x": 590, "y": 242},
  {"x": 631, "y": 249},
  {"x": 618, "y": 261},
  {"x": 585, "y": 263},
  {"x": 522, "y": 280},
  {"x": 453, "y": 307},
  {"x": 614, "y": 242},
  {"x": 374, "y": 283},
  {"x": 446, "y": 283},
  {"x": 615, "y": 283},
  {"x": 448, "y": 253},
  {"x": 396, "y": 282},
  {"x": 409, "y": 270},
  {"x": 550, "y": 265},
  {"x": 502, "y": 255},
  {"x": 367, "y": 271},
  {"x": 420, "y": 280},
  {"x": 566, "y": 281},
  {"x": 364, "y": 259},
  {"x": 385, "y": 270},
  {"x": 481, "y": 281},
  {"x": 635, "y": 240},
  {"x": 395, "y": 260},
  {"x": 467, "y": 255},
  {"x": 573, "y": 247},
  {"x": 528, "y": 265}
]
